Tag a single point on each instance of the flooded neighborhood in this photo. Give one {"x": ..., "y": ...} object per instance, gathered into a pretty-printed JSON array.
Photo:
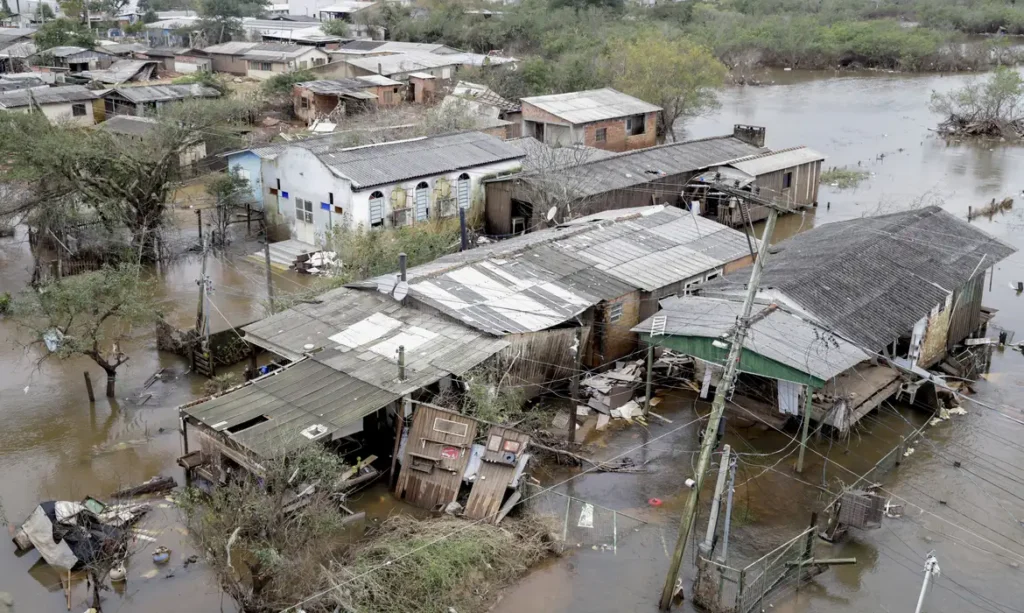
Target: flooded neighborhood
[{"x": 364, "y": 319}]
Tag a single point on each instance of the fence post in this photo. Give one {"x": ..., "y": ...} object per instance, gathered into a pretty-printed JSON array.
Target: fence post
[
  {"x": 88, "y": 387},
  {"x": 739, "y": 592}
]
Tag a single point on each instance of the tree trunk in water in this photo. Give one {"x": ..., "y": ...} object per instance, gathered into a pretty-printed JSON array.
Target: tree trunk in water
[
  {"x": 111, "y": 379},
  {"x": 96, "y": 604}
]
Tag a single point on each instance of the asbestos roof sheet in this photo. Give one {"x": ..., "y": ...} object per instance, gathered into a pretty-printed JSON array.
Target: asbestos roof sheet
[
  {"x": 8, "y": 35},
  {"x": 165, "y": 51},
  {"x": 376, "y": 79},
  {"x": 421, "y": 157},
  {"x": 783, "y": 336},
  {"x": 871, "y": 279},
  {"x": 346, "y": 7},
  {"x": 123, "y": 48},
  {"x": 129, "y": 124},
  {"x": 8, "y": 85},
  {"x": 300, "y": 395},
  {"x": 597, "y": 176},
  {"x": 358, "y": 333},
  {"x": 50, "y": 95},
  {"x": 484, "y": 95},
  {"x": 66, "y": 51},
  {"x": 765, "y": 163},
  {"x": 336, "y": 86},
  {"x": 545, "y": 278},
  {"x": 160, "y": 93},
  {"x": 591, "y": 105},
  {"x": 173, "y": 23}
]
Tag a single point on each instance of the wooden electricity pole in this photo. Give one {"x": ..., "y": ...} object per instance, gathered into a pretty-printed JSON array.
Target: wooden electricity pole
[{"x": 722, "y": 393}]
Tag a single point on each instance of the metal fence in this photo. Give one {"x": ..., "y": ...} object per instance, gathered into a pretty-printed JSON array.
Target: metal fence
[
  {"x": 580, "y": 523},
  {"x": 723, "y": 589}
]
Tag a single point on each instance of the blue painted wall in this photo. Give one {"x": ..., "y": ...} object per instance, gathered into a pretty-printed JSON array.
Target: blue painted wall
[{"x": 251, "y": 164}]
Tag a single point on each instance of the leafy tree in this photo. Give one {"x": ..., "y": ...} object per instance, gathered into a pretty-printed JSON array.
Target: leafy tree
[
  {"x": 124, "y": 183},
  {"x": 44, "y": 12},
  {"x": 221, "y": 20},
  {"x": 994, "y": 106},
  {"x": 281, "y": 84},
  {"x": 335, "y": 27},
  {"x": 90, "y": 314},
  {"x": 60, "y": 32},
  {"x": 586, "y": 4},
  {"x": 5, "y": 9},
  {"x": 676, "y": 74}
]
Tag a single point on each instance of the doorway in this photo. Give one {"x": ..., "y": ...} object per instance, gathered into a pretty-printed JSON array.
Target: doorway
[{"x": 305, "y": 231}]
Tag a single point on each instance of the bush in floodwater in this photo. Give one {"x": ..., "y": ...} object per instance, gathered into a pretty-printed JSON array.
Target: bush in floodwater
[
  {"x": 5, "y": 303},
  {"x": 842, "y": 177},
  {"x": 434, "y": 565}
]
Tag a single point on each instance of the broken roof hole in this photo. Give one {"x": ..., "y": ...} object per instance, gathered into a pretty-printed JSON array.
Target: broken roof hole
[{"x": 245, "y": 425}]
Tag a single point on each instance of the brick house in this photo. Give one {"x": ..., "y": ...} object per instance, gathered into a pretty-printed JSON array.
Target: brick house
[{"x": 601, "y": 118}]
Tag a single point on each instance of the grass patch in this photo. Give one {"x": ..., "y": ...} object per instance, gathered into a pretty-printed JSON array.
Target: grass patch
[
  {"x": 843, "y": 178},
  {"x": 435, "y": 565}
]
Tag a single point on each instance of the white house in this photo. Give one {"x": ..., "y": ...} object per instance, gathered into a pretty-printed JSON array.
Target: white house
[
  {"x": 66, "y": 103},
  {"x": 316, "y": 184}
]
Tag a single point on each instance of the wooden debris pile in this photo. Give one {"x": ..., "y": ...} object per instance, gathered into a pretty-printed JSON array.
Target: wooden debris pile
[{"x": 963, "y": 126}]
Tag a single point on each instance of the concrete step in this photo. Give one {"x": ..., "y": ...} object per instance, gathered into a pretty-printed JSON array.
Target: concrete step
[{"x": 283, "y": 254}]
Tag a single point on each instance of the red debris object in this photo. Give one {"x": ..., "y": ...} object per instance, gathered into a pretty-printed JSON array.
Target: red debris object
[{"x": 654, "y": 502}]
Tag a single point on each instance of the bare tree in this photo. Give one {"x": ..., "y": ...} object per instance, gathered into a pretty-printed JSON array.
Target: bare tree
[{"x": 556, "y": 180}]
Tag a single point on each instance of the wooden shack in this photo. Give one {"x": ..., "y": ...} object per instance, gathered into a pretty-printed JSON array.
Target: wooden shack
[
  {"x": 436, "y": 453},
  {"x": 504, "y": 453}
]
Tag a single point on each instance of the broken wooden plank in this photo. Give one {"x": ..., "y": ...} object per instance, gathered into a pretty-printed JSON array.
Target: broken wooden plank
[
  {"x": 152, "y": 486},
  {"x": 507, "y": 507}
]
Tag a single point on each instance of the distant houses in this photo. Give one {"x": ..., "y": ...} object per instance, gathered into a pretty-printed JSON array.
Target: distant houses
[
  {"x": 72, "y": 103},
  {"x": 263, "y": 60},
  {"x": 146, "y": 99}
]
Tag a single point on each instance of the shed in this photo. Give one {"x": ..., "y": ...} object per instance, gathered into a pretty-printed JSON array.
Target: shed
[
  {"x": 784, "y": 352},
  {"x": 437, "y": 450},
  {"x": 123, "y": 71},
  {"x": 788, "y": 176},
  {"x": 143, "y": 99},
  {"x": 67, "y": 102},
  {"x": 603, "y": 118}
]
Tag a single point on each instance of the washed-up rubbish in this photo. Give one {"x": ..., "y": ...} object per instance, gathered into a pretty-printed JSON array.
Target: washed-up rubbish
[
  {"x": 611, "y": 389},
  {"x": 909, "y": 452},
  {"x": 161, "y": 555},
  {"x": 586, "y": 516},
  {"x": 627, "y": 411},
  {"x": 118, "y": 573},
  {"x": 560, "y": 421},
  {"x": 53, "y": 339},
  {"x": 655, "y": 502},
  {"x": 957, "y": 411},
  {"x": 602, "y": 421},
  {"x": 582, "y": 410}
]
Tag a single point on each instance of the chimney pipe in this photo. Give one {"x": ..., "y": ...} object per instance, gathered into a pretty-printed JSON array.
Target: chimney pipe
[
  {"x": 380, "y": 70},
  {"x": 401, "y": 362}
]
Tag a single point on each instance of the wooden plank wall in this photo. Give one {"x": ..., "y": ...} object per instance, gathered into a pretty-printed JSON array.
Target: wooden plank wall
[
  {"x": 439, "y": 484},
  {"x": 495, "y": 475}
]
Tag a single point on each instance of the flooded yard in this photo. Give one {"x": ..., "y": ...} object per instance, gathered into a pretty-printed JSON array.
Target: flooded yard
[{"x": 55, "y": 445}]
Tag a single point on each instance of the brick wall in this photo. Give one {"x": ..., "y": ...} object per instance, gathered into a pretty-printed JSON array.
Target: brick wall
[{"x": 616, "y": 138}]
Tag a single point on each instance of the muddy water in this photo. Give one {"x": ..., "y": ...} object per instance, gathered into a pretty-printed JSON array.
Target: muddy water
[
  {"x": 878, "y": 123},
  {"x": 55, "y": 445}
]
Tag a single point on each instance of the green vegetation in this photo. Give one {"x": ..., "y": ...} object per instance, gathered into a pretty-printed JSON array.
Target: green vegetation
[
  {"x": 842, "y": 177},
  {"x": 436, "y": 565},
  {"x": 205, "y": 78},
  {"x": 990, "y": 107},
  {"x": 61, "y": 32},
  {"x": 487, "y": 399},
  {"x": 335, "y": 27},
  {"x": 90, "y": 314},
  {"x": 281, "y": 84}
]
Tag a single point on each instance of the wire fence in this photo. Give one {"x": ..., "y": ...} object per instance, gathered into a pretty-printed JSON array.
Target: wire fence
[
  {"x": 580, "y": 523},
  {"x": 723, "y": 589}
]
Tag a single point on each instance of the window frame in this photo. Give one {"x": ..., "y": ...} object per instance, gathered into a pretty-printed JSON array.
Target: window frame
[
  {"x": 465, "y": 427},
  {"x": 304, "y": 210},
  {"x": 615, "y": 312},
  {"x": 601, "y": 135},
  {"x": 75, "y": 108},
  {"x": 787, "y": 179},
  {"x": 631, "y": 125}
]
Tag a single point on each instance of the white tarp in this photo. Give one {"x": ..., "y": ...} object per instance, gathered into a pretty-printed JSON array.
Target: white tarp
[
  {"x": 40, "y": 531},
  {"x": 789, "y": 397}
]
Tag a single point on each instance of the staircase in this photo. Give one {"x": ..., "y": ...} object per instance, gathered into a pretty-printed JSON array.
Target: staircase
[{"x": 285, "y": 254}]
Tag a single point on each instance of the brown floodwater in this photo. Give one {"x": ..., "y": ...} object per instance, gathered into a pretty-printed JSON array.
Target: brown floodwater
[
  {"x": 55, "y": 445},
  {"x": 879, "y": 123}
]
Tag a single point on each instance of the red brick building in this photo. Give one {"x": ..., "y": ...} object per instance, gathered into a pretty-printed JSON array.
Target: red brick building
[{"x": 601, "y": 118}]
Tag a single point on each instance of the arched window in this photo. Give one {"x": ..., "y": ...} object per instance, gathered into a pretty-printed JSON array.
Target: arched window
[
  {"x": 377, "y": 209},
  {"x": 463, "y": 191},
  {"x": 422, "y": 201}
]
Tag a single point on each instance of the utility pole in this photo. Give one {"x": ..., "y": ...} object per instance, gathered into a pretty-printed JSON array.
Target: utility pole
[
  {"x": 730, "y": 488},
  {"x": 270, "y": 278},
  {"x": 721, "y": 393},
  {"x": 804, "y": 428},
  {"x": 931, "y": 569},
  {"x": 577, "y": 351},
  {"x": 200, "y": 308},
  {"x": 650, "y": 372},
  {"x": 716, "y": 503}
]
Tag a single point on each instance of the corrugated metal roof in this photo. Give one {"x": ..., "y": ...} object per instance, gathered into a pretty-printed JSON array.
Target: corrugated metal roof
[
  {"x": 591, "y": 105},
  {"x": 484, "y": 95},
  {"x": 13, "y": 34},
  {"x": 277, "y": 51},
  {"x": 764, "y": 163},
  {"x": 782, "y": 336},
  {"x": 8, "y": 85},
  {"x": 306, "y": 393},
  {"x": 123, "y": 48},
  {"x": 385, "y": 163},
  {"x": 645, "y": 165},
  {"x": 50, "y": 95},
  {"x": 66, "y": 50},
  {"x": 376, "y": 79},
  {"x": 401, "y": 62},
  {"x": 230, "y": 48},
  {"x": 359, "y": 333},
  {"x": 165, "y": 51},
  {"x": 872, "y": 279},
  {"x": 545, "y": 278},
  {"x": 121, "y": 71},
  {"x": 350, "y": 6},
  {"x": 159, "y": 93},
  {"x": 20, "y": 50}
]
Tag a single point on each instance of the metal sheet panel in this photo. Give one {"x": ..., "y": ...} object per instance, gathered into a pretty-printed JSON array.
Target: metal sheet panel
[{"x": 591, "y": 105}]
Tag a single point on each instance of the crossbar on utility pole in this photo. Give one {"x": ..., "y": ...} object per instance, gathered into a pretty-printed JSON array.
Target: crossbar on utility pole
[
  {"x": 931, "y": 569},
  {"x": 721, "y": 393}
]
